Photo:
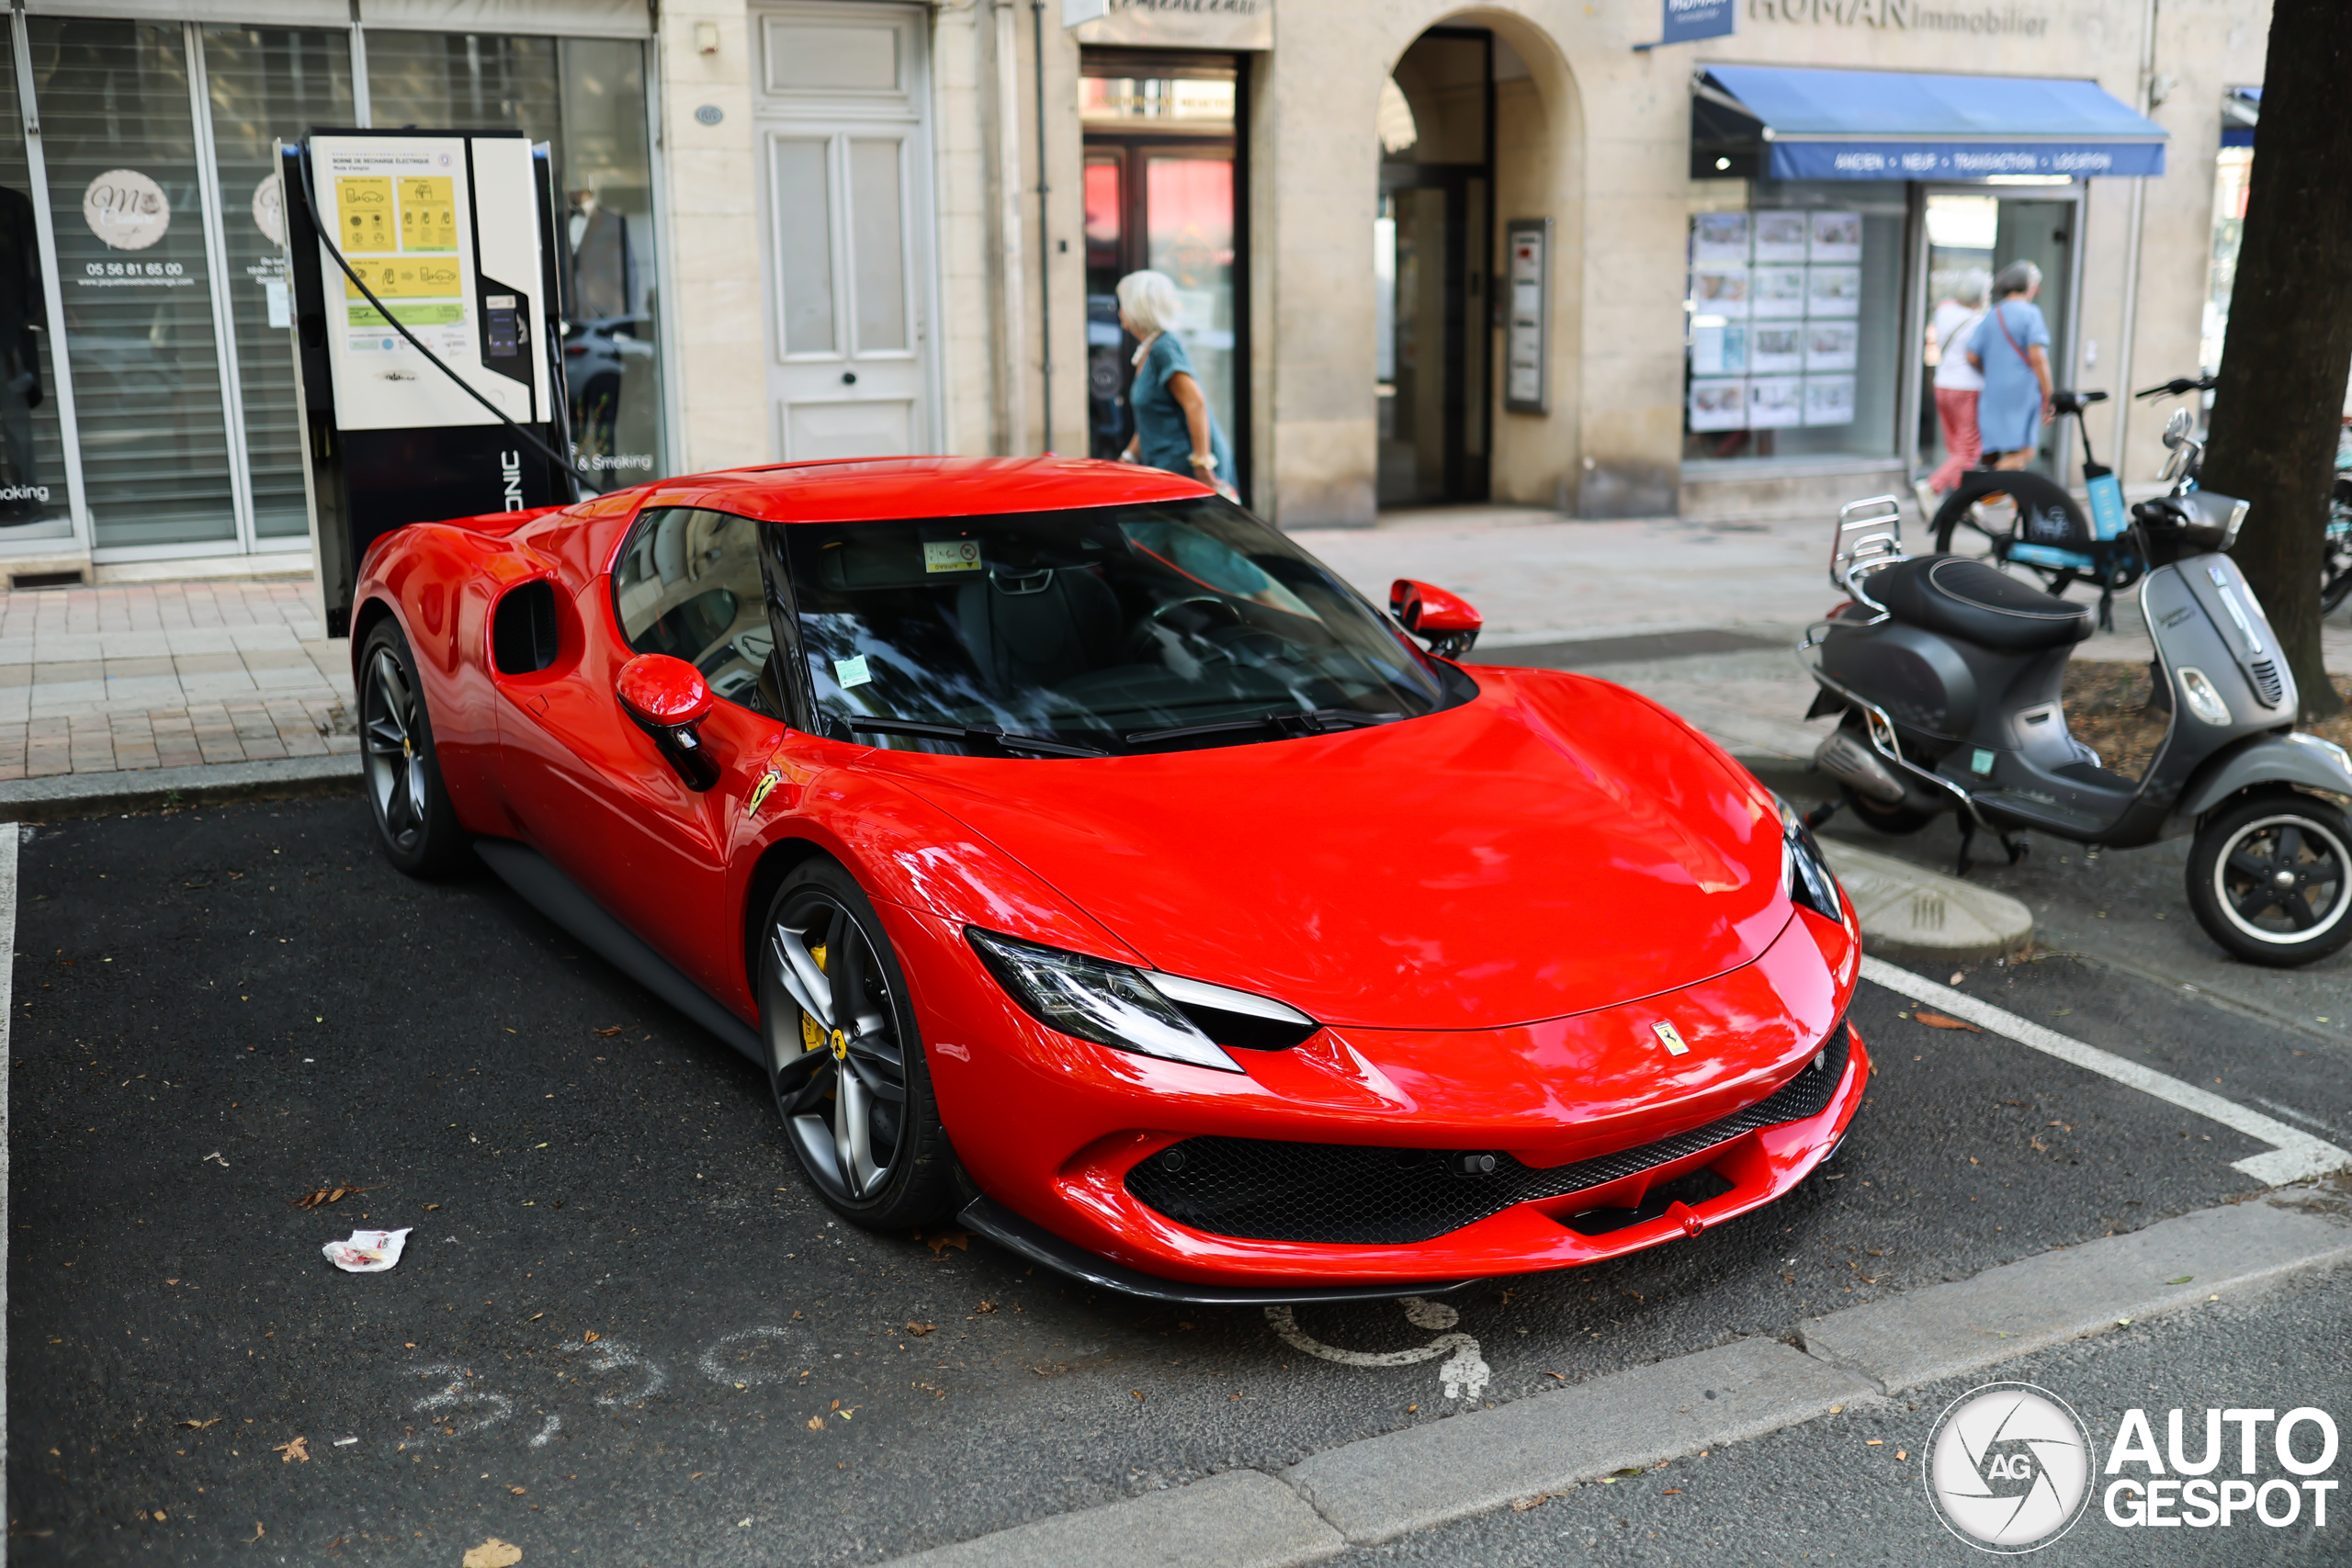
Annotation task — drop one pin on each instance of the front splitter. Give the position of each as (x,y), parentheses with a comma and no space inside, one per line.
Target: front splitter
(1038,1245)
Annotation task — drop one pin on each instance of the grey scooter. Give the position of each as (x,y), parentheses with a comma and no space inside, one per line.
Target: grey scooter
(1949,673)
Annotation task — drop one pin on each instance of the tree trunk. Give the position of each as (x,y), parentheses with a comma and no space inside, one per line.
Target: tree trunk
(2278,399)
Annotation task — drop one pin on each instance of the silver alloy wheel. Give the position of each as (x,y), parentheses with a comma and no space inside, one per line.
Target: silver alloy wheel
(2268,870)
(390,732)
(834,1049)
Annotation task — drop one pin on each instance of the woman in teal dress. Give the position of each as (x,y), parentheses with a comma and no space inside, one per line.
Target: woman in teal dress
(2012,347)
(1175,428)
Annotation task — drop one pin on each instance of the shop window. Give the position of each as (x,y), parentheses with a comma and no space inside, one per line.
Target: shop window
(127,204)
(34,502)
(265,83)
(1795,316)
(584,97)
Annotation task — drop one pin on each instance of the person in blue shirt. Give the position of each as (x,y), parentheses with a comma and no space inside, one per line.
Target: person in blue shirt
(1175,427)
(2012,347)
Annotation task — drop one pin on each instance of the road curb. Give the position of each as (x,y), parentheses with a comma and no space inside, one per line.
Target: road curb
(145,789)
(1920,916)
(1379,1488)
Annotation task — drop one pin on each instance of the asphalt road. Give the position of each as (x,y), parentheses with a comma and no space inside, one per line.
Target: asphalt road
(218,1011)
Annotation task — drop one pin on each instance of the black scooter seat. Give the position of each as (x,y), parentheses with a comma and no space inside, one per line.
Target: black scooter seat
(1975,603)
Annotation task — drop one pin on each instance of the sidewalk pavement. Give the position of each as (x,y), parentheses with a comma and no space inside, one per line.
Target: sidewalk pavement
(161,676)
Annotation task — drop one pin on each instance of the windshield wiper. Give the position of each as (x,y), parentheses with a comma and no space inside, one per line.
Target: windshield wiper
(971,735)
(1315,721)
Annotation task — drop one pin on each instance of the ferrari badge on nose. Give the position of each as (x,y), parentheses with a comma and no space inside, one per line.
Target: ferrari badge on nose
(1669,1037)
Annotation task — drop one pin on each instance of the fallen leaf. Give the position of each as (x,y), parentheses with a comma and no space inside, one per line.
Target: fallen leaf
(1138,1394)
(1900,1454)
(608,1034)
(1629,1470)
(1875,1442)
(939,1244)
(985,1306)
(258,1533)
(1671,1491)
(816,1423)
(159,1516)
(919,1329)
(198,1425)
(2182,1280)
(518,1490)
(300,1449)
(1938,1020)
(491,1553)
(590,1337)
(1562,1376)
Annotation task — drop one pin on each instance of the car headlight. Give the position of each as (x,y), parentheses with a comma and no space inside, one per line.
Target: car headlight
(1806,876)
(1137,1009)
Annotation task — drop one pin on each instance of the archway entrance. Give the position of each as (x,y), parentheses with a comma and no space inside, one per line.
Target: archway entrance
(1432,239)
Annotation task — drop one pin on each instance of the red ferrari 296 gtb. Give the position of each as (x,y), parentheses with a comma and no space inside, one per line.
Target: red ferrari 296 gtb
(1078,856)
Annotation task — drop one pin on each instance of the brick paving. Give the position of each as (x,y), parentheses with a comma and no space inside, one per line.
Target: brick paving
(169,674)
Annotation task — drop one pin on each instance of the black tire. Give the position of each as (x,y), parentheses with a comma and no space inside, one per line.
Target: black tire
(856,1100)
(414,820)
(1894,820)
(2235,865)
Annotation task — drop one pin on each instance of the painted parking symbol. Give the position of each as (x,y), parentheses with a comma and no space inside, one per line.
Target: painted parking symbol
(1464,1374)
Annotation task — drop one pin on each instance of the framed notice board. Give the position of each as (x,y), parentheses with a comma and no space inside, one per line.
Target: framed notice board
(1527,320)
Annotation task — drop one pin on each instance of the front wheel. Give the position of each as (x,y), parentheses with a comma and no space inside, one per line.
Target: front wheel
(2270,879)
(844,1060)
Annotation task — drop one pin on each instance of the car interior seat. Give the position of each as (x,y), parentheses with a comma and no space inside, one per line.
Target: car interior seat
(1038,628)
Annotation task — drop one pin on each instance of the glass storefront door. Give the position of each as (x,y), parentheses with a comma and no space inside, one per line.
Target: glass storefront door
(35,499)
(262,83)
(1163,179)
(126,202)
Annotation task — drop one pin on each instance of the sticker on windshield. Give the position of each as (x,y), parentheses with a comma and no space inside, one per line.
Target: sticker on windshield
(852,671)
(951,555)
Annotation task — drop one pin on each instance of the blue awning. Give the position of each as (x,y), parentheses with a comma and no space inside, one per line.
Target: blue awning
(2241,112)
(1898,125)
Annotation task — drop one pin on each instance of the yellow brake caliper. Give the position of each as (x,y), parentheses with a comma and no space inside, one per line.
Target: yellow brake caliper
(813,1034)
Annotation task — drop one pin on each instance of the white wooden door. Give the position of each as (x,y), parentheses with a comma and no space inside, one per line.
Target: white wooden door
(846,191)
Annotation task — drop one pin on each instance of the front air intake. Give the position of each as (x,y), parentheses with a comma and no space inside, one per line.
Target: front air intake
(2266,683)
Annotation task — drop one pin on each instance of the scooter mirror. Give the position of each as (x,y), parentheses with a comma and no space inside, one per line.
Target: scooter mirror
(2177,427)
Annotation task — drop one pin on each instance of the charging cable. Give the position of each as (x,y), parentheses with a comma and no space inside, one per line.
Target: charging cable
(302,155)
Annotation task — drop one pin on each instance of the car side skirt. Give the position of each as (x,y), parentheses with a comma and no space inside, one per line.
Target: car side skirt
(560,899)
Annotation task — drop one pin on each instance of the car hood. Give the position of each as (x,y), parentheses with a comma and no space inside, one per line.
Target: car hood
(1556,844)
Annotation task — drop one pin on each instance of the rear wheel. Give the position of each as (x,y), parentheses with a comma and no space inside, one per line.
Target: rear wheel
(2270,878)
(843,1057)
(414,820)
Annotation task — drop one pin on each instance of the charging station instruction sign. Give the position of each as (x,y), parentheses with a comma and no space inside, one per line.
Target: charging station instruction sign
(405,211)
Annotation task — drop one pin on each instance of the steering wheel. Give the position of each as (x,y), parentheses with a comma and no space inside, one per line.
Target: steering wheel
(1197,617)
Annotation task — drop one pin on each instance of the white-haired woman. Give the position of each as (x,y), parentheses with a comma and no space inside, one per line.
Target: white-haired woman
(1175,427)
(2012,347)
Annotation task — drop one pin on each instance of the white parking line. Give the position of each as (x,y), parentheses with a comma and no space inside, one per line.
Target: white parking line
(2298,1156)
(10,836)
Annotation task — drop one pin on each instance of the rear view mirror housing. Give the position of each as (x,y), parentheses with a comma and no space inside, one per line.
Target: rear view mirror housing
(2177,427)
(1445,621)
(668,699)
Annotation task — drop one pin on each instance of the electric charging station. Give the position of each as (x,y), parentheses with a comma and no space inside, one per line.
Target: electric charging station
(454,233)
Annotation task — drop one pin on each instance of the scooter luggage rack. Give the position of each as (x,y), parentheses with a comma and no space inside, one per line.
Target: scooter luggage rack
(1869,539)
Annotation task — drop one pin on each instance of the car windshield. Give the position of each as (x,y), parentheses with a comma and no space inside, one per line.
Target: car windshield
(1099,628)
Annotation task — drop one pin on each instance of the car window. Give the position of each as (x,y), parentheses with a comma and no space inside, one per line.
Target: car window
(688,584)
(1105,627)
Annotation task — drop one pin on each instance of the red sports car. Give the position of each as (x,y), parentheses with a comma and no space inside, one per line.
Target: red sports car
(1077,855)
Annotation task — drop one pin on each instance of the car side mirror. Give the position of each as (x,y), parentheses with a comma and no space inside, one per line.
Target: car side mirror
(1445,621)
(2177,427)
(668,699)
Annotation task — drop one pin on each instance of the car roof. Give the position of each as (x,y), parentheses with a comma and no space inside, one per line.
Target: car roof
(883,488)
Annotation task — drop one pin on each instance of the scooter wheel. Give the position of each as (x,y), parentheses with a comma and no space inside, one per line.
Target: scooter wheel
(1892,819)
(2270,878)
